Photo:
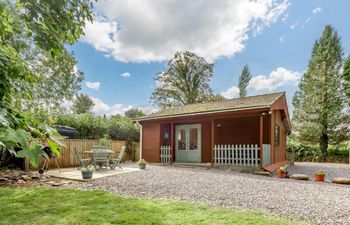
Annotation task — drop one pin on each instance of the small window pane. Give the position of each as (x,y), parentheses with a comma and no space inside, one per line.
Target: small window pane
(181,140)
(277,135)
(193,138)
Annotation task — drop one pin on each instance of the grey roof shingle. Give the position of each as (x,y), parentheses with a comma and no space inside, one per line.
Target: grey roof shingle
(251,102)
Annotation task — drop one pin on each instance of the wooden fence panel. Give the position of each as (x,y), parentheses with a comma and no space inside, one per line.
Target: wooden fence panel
(238,155)
(165,154)
(68,158)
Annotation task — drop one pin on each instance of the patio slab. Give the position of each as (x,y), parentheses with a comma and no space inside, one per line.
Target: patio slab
(75,174)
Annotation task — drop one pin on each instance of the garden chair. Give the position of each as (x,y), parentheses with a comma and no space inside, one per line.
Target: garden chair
(115,162)
(82,162)
(100,157)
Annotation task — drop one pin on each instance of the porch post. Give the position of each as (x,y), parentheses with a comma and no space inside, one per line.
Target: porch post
(272,154)
(140,141)
(212,141)
(261,138)
(172,135)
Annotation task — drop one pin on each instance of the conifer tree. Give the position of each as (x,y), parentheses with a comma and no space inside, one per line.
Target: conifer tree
(319,104)
(244,79)
(346,73)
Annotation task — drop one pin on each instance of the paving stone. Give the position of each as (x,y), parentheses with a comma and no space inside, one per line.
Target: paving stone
(341,180)
(299,176)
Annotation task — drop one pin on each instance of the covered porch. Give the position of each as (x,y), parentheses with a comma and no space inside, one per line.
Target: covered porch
(231,139)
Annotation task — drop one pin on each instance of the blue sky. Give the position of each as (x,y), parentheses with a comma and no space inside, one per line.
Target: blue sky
(274,38)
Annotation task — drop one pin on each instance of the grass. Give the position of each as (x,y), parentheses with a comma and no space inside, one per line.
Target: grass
(66,206)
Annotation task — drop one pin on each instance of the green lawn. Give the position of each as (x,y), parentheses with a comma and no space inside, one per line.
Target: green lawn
(55,206)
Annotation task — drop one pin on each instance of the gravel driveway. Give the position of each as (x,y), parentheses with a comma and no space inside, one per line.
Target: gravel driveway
(322,203)
(331,169)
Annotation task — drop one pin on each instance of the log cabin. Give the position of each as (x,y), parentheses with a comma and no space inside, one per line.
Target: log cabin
(248,132)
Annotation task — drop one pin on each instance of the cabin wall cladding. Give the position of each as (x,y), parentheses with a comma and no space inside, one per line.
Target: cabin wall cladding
(68,158)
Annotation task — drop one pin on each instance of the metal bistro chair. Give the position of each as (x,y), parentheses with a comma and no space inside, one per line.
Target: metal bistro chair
(82,162)
(115,162)
(100,157)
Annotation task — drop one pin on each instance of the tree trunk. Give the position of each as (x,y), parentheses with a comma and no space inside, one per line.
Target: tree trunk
(324,144)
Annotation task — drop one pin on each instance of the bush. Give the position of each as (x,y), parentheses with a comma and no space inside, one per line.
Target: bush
(336,153)
(105,141)
(91,126)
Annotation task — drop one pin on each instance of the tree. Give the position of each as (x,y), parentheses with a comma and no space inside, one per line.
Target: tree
(134,113)
(319,115)
(185,81)
(82,104)
(346,74)
(214,98)
(58,80)
(46,26)
(244,79)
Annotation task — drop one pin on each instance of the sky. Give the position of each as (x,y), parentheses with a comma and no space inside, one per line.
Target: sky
(130,42)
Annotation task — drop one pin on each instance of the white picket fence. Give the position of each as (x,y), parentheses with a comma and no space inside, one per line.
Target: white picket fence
(237,155)
(165,154)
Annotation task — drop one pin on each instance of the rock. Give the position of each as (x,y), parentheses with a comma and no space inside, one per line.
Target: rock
(341,180)
(262,173)
(35,176)
(66,182)
(26,177)
(299,177)
(3,179)
(10,177)
(16,174)
(56,184)
(21,182)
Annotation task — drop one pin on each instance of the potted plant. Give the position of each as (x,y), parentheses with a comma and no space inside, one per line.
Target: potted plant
(320,175)
(87,171)
(142,164)
(281,172)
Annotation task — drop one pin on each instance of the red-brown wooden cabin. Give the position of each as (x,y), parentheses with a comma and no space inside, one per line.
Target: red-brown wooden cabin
(228,132)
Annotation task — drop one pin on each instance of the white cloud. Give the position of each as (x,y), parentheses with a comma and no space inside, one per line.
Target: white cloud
(148,109)
(93,85)
(316,10)
(144,31)
(232,92)
(275,79)
(101,108)
(294,25)
(281,39)
(125,75)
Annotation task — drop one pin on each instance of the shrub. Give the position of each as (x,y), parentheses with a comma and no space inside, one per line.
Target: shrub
(281,169)
(320,173)
(303,152)
(91,126)
(105,141)
(142,161)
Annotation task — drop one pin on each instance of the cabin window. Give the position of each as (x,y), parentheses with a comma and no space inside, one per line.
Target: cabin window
(277,134)
(166,136)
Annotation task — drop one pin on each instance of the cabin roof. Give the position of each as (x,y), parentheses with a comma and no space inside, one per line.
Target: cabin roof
(236,104)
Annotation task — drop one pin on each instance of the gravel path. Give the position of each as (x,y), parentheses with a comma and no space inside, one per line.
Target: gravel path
(331,169)
(321,203)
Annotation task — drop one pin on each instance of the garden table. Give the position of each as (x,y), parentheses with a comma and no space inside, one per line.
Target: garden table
(100,156)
